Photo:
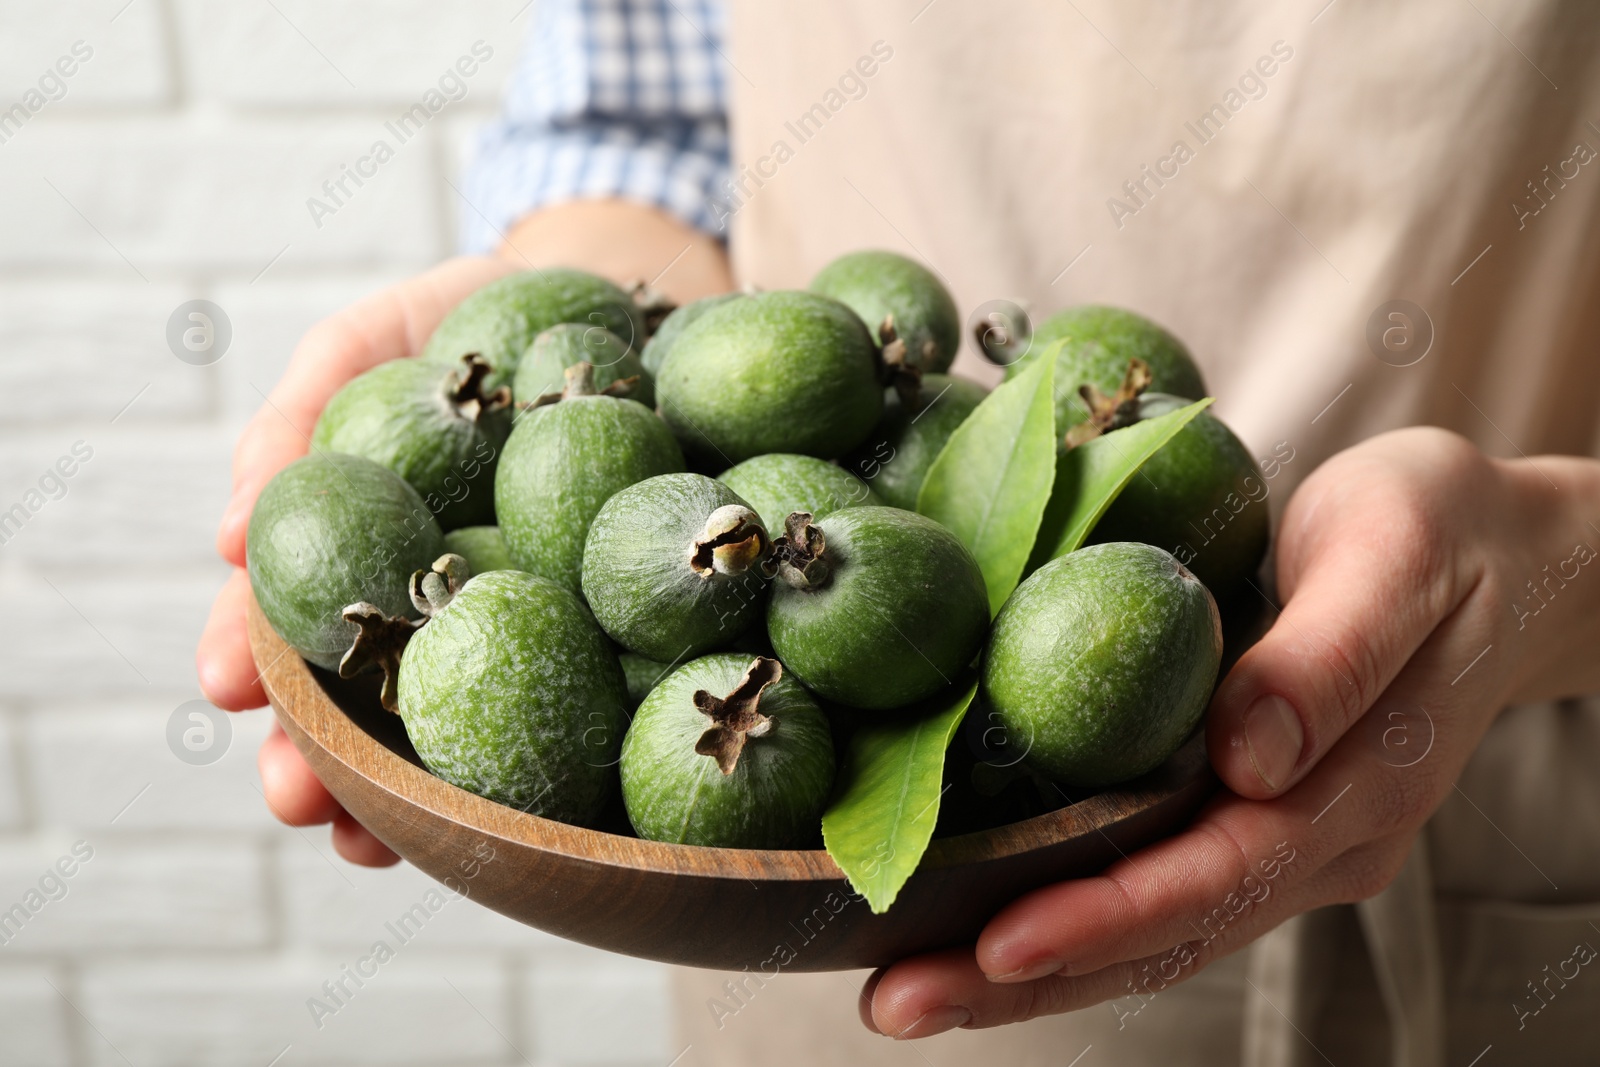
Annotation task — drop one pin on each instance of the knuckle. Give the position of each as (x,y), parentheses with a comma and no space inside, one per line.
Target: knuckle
(1365,872)
(1404,803)
(1357,675)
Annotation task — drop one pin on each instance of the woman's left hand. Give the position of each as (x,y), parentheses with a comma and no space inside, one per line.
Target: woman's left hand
(1407,624)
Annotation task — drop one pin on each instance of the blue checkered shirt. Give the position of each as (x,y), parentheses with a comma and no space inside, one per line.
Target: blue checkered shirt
(610,98)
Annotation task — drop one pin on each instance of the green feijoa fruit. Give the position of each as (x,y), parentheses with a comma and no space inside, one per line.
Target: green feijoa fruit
(773,372)
(875,607)
(1202,498)
(1101,663)
(481,546)
(500,321)
(641,674)
(1099,343)
(667,334)
(896,456)
(672,566)
(563,462)
(729,752)
(877,285)
(781,483)
(330,531)
(543,366)
(437,428)
(511,691)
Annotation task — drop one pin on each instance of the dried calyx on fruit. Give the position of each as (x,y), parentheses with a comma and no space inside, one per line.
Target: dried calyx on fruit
(672,566)
(466,390)
(1107,413)
(441,429)
(580,382)
(501,320)
(749,769)
(736,716)
(1096,344)
(381,638)
(732,542)
(901,372)
(328,531)
(653,305)
(875,283)
(542,368)
(878,607)
(1201,497)
(434,588)
(563,462)
(797,556)
(777,484)
(511,691)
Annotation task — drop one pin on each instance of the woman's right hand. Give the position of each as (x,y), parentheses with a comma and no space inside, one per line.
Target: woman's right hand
(613,238)
(389,325)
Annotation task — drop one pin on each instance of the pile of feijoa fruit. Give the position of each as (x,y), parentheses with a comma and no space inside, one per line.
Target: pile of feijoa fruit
(598,552)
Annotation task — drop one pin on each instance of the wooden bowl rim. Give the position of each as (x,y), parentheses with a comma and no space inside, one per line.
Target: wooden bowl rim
(298,695)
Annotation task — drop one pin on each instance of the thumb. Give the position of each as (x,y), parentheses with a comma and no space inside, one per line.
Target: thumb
(1368,587)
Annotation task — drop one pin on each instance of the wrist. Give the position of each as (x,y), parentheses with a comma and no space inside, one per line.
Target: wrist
(624,241)
(1550,579)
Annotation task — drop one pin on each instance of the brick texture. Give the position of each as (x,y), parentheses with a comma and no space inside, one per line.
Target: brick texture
(176,165)
(358,52)
(33,1018)
(416,1009)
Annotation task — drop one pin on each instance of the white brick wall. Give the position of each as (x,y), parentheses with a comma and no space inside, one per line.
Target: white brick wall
(129,64)
(11,811)
(33,1018)
(89,762)
(76,352)
(253,55)
(594,1010)
(176,166)
(244,1011)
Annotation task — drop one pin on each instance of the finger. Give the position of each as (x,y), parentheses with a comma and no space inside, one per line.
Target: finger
(391,324)
(292,790)
(357,844)
(1370,576)
(223,661)
(269,443)
(864,1001)
(1237,856)
(1254,860)
(942,991)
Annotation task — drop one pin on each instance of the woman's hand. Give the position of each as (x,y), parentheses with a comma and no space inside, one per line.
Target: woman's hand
(1405,628)
(622,240)
(389,325)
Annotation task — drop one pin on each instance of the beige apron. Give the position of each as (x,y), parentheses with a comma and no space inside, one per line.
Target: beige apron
(1262,179)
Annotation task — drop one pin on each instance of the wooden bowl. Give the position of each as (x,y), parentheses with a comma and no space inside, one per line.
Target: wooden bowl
(703,907)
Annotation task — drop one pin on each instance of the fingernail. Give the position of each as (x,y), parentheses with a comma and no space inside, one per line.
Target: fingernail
(936,1021)
(1273,736)
(1039,969)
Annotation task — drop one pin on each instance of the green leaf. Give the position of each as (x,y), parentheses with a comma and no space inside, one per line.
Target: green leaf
(990,484)
(883,814)
(1089,477)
